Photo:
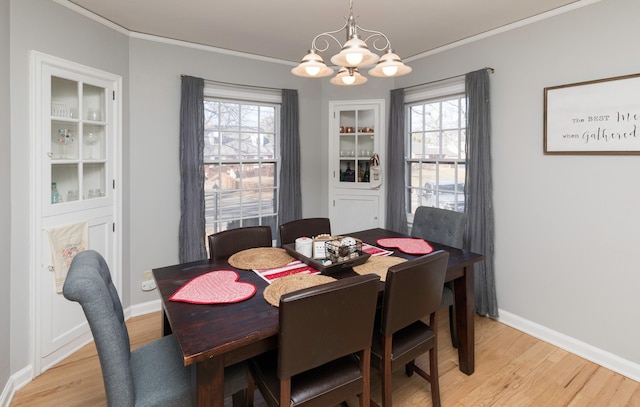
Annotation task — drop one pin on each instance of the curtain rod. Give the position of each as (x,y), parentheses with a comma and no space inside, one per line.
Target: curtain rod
(489,69)
(242,85)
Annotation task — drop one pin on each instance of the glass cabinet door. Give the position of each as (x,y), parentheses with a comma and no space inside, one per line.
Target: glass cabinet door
(356,135)
(78,141)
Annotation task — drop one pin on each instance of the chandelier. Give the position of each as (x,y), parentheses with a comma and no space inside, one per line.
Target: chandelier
(354,54)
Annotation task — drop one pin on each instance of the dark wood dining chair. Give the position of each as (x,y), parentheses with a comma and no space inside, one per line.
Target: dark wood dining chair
(224,244)
(447,227)
(309,227)
(412,292)
(324,341)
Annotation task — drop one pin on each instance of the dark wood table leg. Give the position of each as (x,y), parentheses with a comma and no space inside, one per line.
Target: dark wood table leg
(465,311)
(166,327)
(210,382)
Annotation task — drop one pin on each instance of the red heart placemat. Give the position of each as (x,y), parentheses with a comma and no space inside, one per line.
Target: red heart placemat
(216,287)
(407,245)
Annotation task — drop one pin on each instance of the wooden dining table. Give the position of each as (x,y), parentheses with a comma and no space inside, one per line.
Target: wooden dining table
(212,336)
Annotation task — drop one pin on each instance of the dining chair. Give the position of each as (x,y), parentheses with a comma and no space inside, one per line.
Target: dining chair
(309,227)
(324,342)
(152,375)
(448,228)
(224,244)
(412,292)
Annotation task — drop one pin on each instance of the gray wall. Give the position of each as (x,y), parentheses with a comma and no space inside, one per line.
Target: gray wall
(564,225)
(44,26)
(155,107)
(5,187)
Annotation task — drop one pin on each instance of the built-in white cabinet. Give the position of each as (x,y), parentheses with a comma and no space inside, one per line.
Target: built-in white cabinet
(356,145)
(76,133)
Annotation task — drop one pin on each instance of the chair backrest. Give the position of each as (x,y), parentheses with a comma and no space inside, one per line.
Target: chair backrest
(439,225)
(326,322)
(224,244)
(88,282)
(413,290)
(309,227)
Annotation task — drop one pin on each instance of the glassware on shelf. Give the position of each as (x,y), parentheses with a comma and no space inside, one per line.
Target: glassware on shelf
(64,138)
(91,139)
(55,196)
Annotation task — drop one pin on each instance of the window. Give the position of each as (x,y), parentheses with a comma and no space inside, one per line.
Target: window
(435,159)
(241,164)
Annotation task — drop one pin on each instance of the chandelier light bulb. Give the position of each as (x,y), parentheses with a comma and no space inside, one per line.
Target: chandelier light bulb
(348,79)
(390,70)
(354,58)
(312,70)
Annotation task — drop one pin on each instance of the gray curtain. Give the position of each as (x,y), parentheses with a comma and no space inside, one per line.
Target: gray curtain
(290,200)
(396,218)
(479,190)
(192,222)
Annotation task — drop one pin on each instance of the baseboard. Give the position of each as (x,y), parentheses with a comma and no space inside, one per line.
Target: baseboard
(143,309)
(15,382)
(582,349)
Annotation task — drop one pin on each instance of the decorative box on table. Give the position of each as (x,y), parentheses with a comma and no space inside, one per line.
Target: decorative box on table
(341,253)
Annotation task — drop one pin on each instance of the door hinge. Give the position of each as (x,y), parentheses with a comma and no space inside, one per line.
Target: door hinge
(114,95)
(113,226)
(114,184)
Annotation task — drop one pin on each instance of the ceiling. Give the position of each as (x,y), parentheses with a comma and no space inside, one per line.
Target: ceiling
(284,29)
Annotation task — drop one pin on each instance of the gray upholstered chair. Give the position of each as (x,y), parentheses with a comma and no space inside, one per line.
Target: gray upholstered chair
(324,346)
(412,293)
(224,244)
(309,227)
(448,228)
(152,375)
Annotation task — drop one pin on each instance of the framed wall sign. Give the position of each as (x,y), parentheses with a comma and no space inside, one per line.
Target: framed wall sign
(594,117)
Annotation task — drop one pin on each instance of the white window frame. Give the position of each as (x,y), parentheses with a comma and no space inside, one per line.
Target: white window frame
(432,92)
(253,96)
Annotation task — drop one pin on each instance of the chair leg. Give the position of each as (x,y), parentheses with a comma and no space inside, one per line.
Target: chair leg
(408,368)
(250,392)
(433,377)
(452,326)
(385,372)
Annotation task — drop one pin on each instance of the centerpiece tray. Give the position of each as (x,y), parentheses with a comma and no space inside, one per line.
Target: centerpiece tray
(318,264)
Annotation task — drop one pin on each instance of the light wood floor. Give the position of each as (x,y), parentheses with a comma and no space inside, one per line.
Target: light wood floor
(512,369)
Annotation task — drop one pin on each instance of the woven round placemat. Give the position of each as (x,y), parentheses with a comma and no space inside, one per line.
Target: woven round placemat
(378,265)
(287,284)
(260,258)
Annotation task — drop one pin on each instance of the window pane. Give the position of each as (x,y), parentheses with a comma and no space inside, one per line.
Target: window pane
(249,118)
(450,114)
(416,145)
(432,116)
(417,113)
(267,145)
(451,144)
(230,148)
(267,119)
